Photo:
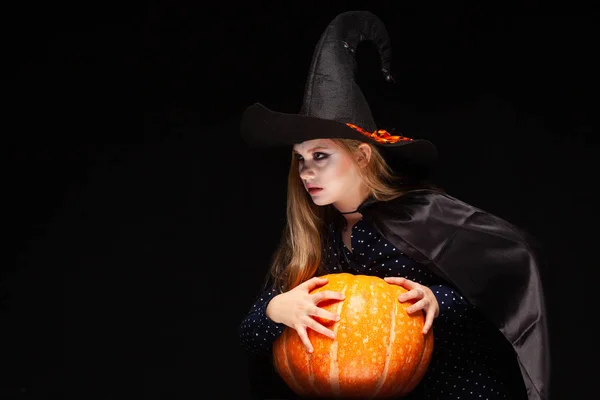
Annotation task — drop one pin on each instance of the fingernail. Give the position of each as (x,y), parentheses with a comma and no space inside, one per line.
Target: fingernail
(337,318)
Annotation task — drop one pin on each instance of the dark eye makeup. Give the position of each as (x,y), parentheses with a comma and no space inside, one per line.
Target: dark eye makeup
(317,155)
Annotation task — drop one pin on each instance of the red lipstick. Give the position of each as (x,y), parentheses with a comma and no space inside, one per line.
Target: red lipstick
(313,189)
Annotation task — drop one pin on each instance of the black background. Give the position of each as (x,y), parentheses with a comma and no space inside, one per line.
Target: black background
(139,228)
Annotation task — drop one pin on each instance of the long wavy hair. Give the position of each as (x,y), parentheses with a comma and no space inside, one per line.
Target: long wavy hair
(300,252)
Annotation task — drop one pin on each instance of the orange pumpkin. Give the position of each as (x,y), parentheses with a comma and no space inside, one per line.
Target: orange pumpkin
(379,350)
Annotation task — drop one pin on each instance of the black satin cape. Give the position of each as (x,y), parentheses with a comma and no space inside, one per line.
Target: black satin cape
(487,259)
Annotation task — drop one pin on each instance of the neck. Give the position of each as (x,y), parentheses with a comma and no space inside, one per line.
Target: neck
(351,219)
(350,209)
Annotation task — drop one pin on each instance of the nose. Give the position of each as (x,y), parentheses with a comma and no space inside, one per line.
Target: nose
(306,172)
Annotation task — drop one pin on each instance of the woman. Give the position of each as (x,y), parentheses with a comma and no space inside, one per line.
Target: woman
(349,210)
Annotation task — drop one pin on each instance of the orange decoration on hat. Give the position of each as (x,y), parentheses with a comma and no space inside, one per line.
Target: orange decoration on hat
(381,135)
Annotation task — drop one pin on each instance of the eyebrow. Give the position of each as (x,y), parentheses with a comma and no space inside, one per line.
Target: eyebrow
(313,149)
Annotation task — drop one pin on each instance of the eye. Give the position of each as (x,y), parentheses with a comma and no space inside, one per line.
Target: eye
(320,156)
(298,157)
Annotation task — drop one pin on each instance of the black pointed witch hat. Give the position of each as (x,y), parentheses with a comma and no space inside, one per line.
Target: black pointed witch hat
(333,105)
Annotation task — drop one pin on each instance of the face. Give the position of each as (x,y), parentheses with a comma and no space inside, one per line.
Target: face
(328,173)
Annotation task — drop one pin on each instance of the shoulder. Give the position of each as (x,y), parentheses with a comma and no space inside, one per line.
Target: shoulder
(437,209)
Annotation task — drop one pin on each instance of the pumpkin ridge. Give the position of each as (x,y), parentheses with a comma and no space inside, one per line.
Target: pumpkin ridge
(415,378)
(389,349)
(406,366)
(310,373)
(286,362)
(334,369)
(356,282)
(412,376)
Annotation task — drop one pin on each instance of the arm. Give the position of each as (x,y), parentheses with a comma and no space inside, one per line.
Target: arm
(450,302)
(257,331)
(434,301)
(273,311)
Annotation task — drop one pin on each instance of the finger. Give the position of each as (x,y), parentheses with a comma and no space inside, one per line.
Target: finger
(315,326)
(314,282)
(419,305)
(394,280)
(328,295)
(406,283)
(304,338)
(429,316)
(322,313)
(416,293)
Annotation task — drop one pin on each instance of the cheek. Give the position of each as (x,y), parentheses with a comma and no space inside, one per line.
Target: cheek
(340,176)
(344,170)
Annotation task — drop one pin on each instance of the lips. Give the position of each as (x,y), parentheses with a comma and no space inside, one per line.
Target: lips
(313,190)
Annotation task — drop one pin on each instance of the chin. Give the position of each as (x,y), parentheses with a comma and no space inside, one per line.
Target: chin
(322,202)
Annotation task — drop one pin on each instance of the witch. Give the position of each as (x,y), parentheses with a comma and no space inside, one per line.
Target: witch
(359,201)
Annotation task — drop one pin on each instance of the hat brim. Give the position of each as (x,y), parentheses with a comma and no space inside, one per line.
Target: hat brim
(262,127)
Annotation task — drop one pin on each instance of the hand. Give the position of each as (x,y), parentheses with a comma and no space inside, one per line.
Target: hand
(296,308)
(426,300)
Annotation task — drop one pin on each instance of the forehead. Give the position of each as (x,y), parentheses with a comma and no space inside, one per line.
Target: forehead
(312,144)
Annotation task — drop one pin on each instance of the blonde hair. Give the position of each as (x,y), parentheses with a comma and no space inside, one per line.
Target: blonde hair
(299,254)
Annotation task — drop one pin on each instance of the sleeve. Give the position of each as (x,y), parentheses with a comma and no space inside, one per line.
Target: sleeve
(257,331)
(451,303)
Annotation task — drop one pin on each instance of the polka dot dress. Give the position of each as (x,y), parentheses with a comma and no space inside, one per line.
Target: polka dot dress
(465,359)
